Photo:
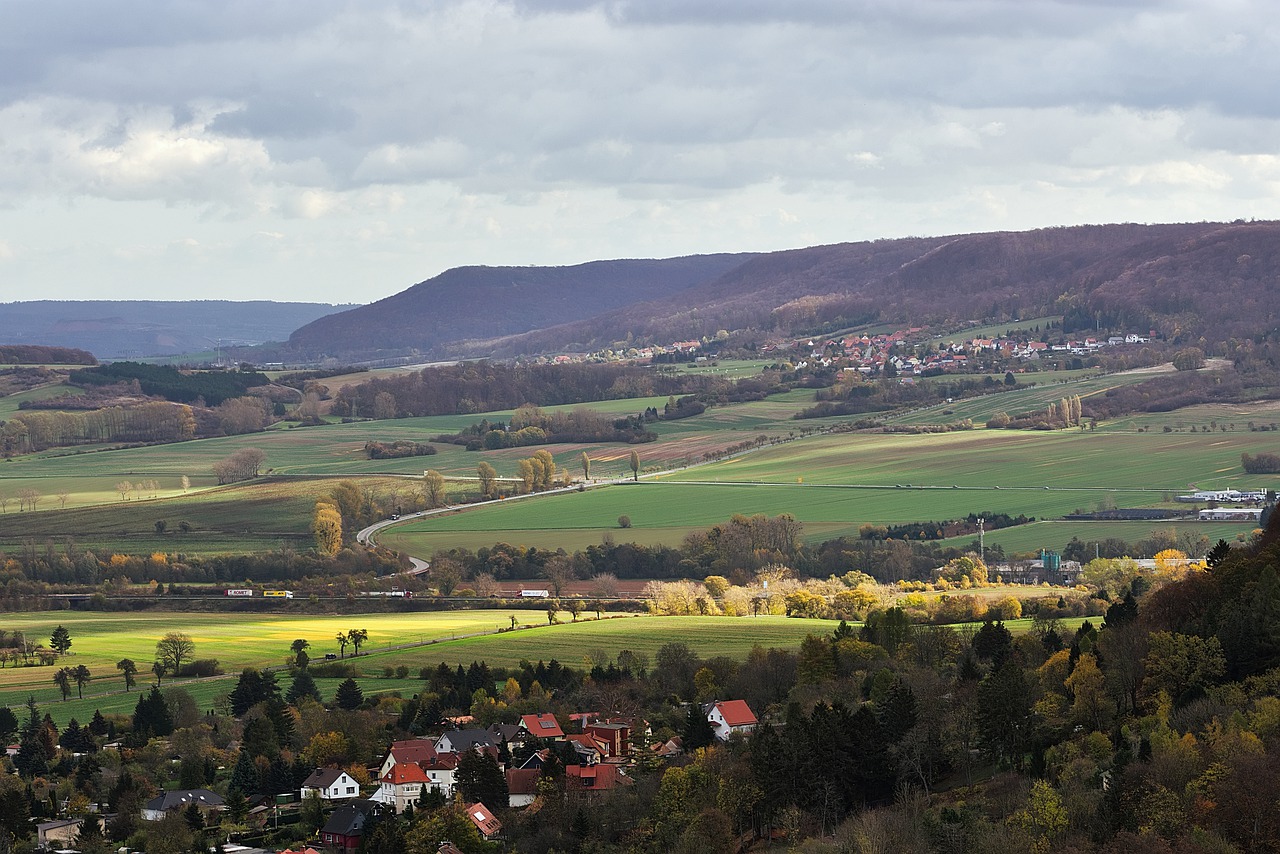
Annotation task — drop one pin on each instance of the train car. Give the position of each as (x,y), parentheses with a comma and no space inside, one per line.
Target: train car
(278,594)
(238,592)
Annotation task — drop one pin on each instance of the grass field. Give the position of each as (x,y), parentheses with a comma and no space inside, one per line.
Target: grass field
(238,641)
(835,483)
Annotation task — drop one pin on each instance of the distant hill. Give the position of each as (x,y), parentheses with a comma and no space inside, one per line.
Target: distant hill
(131,329)
(489,302)
(1183,280)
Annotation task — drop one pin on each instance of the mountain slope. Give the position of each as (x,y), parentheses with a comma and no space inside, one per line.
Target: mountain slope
(483,302)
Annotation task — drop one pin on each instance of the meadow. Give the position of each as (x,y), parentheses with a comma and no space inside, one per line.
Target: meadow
(865,478)
(835,483)
(99,640)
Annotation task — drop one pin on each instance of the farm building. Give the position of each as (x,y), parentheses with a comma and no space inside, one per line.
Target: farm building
(1231,514)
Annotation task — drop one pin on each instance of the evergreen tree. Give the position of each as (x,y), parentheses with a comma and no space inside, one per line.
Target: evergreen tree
(151,717)
(349,696)
(32,758)
(244,777)
(479,778)
(303,686)
(697,729)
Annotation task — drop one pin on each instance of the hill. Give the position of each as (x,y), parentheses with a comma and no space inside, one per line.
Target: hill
(1165,277)
(114,329)
(487,302)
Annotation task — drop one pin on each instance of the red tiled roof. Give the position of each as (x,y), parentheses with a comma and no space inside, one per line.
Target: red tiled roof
(542,726)
(594,777)
(523,781)
(413,750)
(482,817)
(736,712)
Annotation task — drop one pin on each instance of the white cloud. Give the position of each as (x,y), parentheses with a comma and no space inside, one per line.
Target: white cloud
(309,145)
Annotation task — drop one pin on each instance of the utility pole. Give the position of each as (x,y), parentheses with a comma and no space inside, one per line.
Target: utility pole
(982,541)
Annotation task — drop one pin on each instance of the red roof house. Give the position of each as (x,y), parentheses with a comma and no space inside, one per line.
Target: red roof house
(730,716)
(542,726)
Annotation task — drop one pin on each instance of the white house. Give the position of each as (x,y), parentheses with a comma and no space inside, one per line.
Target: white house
(730,716)
(402,785)
(331,784)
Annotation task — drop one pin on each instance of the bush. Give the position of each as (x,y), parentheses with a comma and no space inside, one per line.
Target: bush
(333,670)
(624,521)
(201,668)
(1260,463)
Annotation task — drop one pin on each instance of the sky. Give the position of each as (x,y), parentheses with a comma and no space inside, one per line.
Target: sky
(339,152)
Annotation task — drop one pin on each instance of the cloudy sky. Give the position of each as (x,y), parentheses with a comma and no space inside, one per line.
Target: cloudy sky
(334,151)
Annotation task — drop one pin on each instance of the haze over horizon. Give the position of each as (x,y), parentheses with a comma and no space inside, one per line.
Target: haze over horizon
(339,153)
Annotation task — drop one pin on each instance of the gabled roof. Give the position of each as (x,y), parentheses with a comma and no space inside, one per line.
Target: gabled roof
(482,817)
(407,772)
(736,712)
(413,750)
(349,819)
(544,725)
(595,777)
(464,739)
(183,797)
(323,778)
(523,781)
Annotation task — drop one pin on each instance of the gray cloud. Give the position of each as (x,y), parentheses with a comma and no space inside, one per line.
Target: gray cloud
(464,131)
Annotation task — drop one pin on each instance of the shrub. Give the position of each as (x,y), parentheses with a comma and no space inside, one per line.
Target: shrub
(624,521)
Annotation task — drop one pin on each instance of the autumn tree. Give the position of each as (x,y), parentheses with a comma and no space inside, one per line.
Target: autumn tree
(633,461)
(326,525)
(244,464)
(586,466)
(433,491)
(488,477)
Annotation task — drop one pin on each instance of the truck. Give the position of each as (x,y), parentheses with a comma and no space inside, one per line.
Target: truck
(238,592)
(278,594)
(535,594)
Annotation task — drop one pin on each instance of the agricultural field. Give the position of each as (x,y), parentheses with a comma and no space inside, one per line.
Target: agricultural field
(263,516)
(99,640)
(995,330)
(1051,386)
(835,483)
(1053,534)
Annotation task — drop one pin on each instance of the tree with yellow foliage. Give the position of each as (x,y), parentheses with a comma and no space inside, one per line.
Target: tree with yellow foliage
(327,528)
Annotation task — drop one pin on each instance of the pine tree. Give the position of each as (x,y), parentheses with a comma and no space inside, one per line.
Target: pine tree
(244,777)
(303,686)
(349,696)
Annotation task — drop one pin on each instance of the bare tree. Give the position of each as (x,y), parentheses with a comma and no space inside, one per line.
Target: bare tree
(62,499)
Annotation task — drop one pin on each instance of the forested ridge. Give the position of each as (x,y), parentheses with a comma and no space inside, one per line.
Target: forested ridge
(1185,281)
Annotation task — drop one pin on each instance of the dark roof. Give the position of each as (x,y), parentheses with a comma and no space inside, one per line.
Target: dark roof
(183,797)
(349,819)
(322,778)
(465,739)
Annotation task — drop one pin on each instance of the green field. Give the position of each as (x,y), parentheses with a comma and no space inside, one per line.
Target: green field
(99,640)
(835,483)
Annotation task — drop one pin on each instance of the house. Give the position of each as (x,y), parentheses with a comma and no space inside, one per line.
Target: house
(730,716)
(588,748)
(331,784)
(158,807)
(594,778)
(673,746)
(458,740)
(413,750)
(346,824)
(522,786)
(58,834)
(615,736)
(543,726)
(482,817)
(402,785)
